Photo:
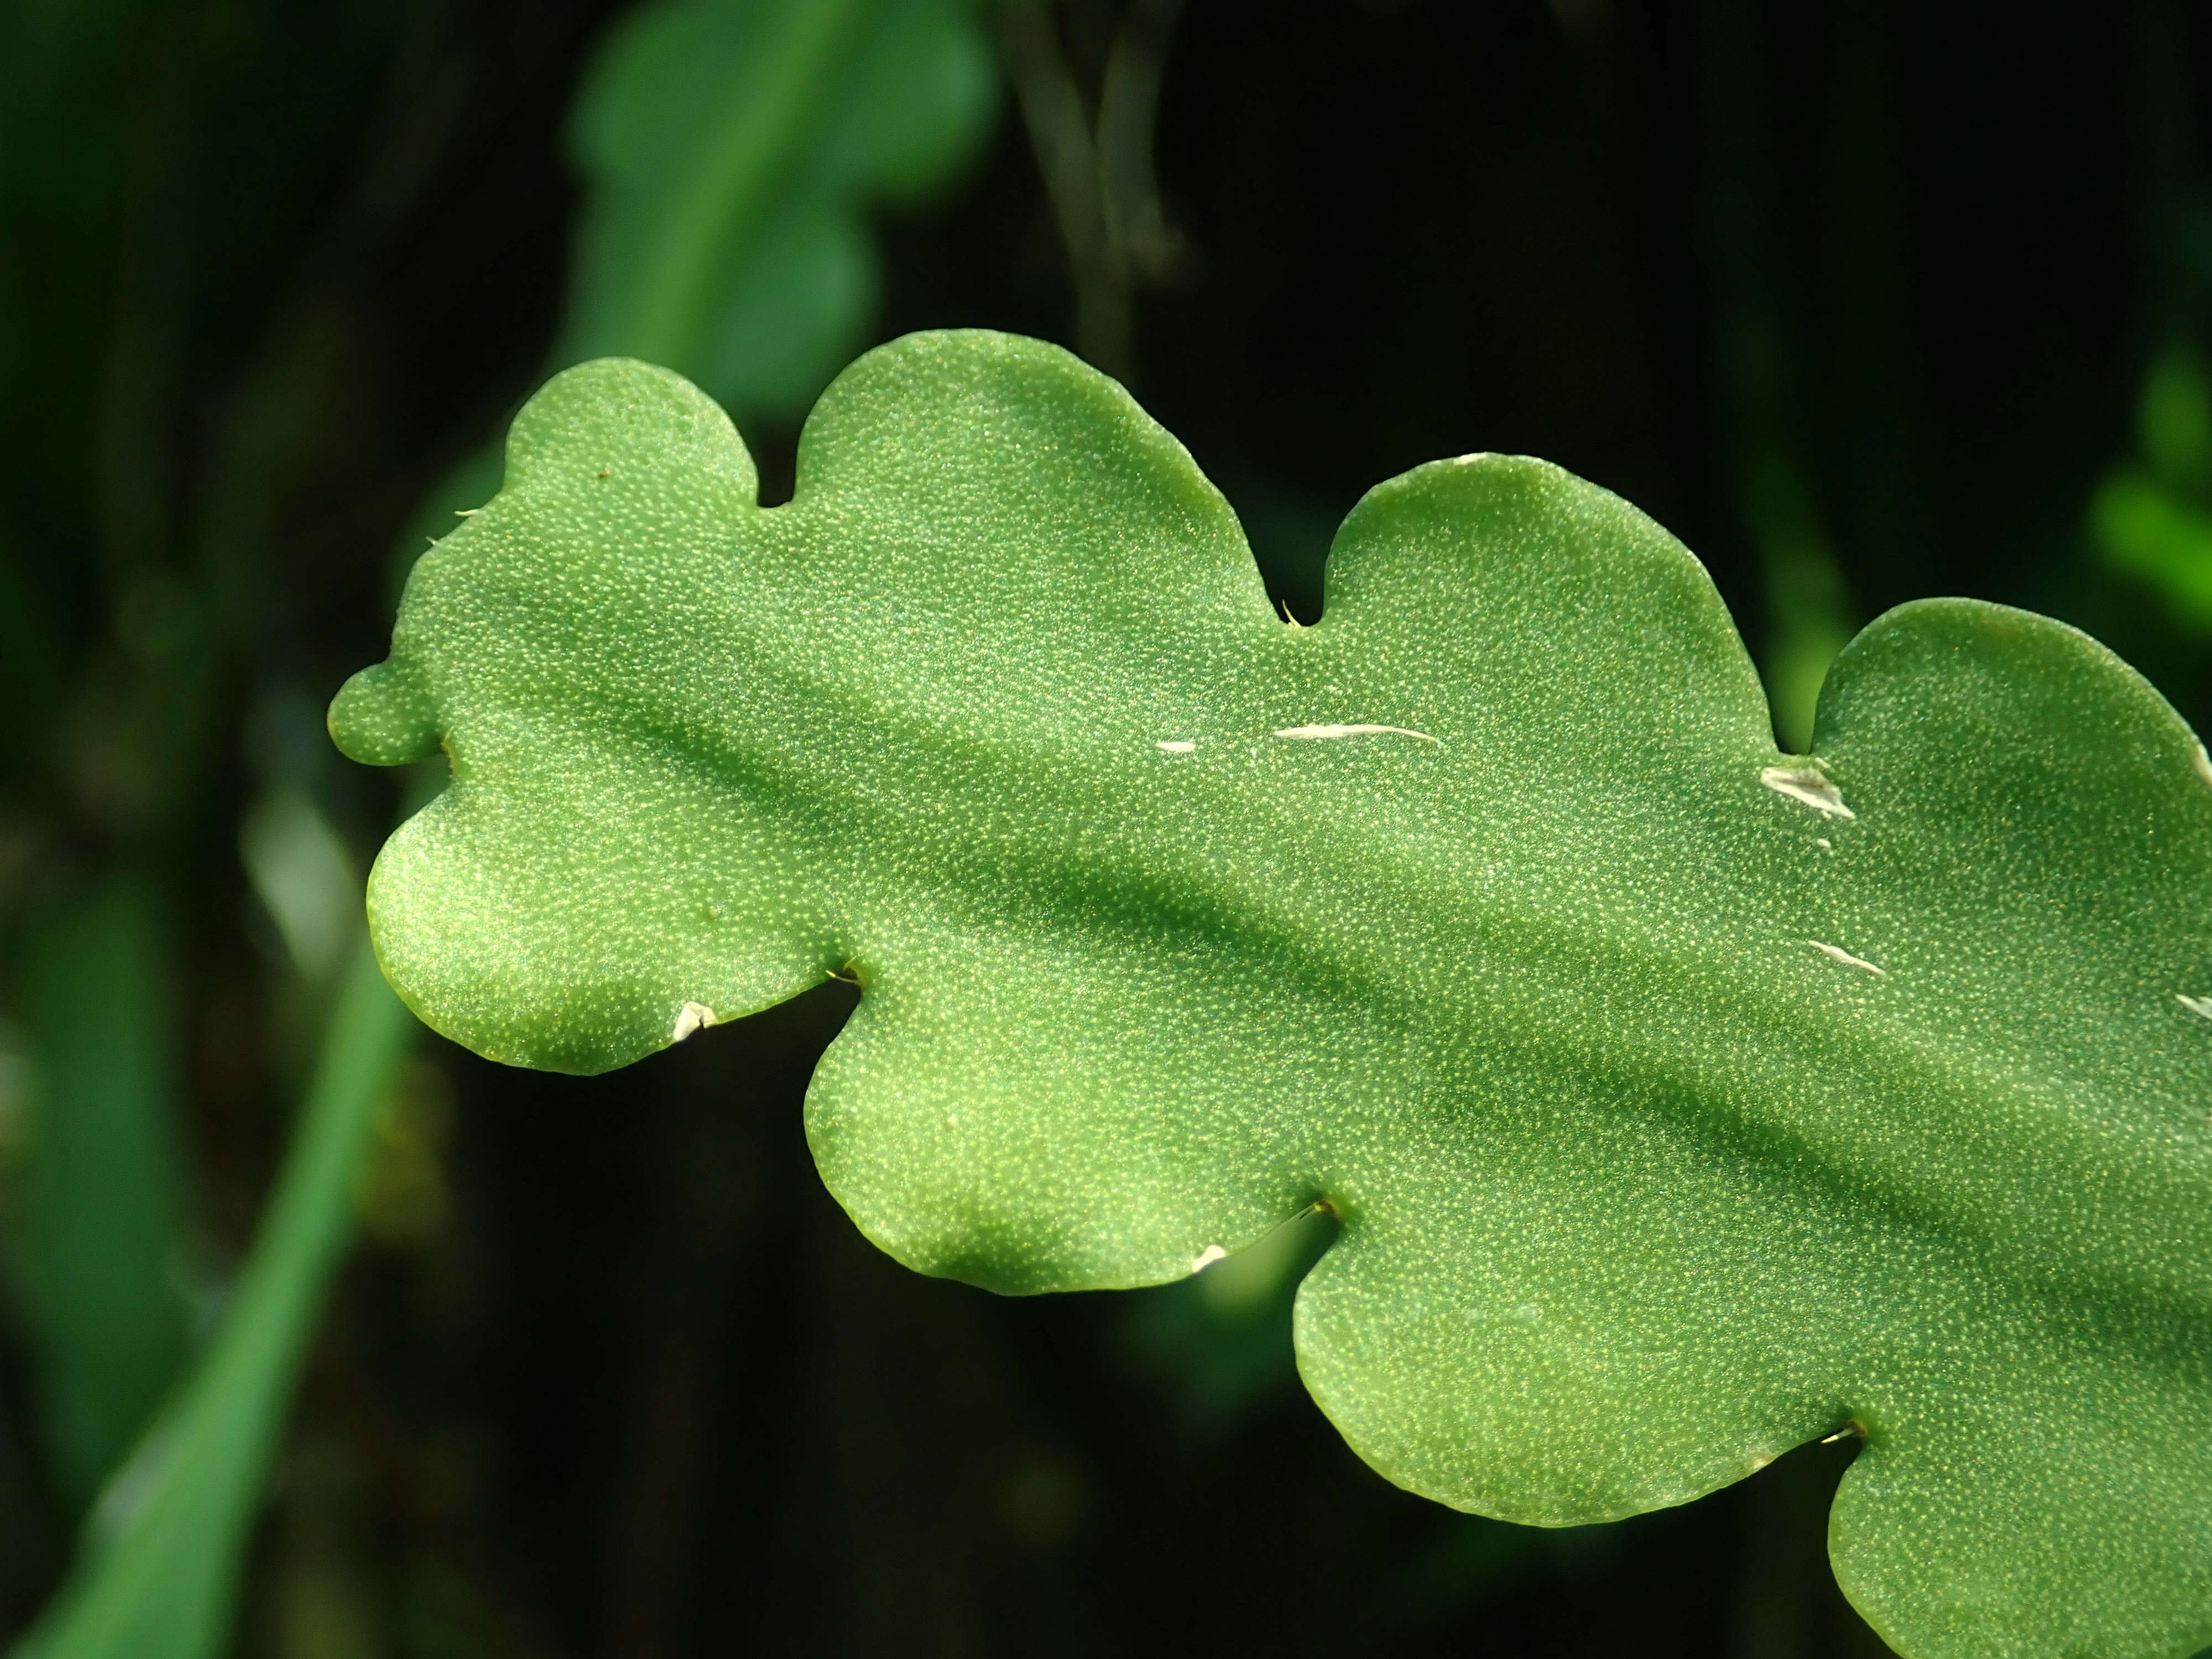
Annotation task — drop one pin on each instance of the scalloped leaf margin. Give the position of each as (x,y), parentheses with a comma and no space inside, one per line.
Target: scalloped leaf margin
(1682,1101)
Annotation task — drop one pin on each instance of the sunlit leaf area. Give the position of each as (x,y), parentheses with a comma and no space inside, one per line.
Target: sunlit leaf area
(1624,1200)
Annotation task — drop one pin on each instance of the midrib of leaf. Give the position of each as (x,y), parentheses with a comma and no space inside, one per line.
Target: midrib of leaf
(1540,1006)
(731,182)
(1719,1007)
(1724,1013)
(1706,1006)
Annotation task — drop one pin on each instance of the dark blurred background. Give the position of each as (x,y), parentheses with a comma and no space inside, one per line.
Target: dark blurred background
(1865,301)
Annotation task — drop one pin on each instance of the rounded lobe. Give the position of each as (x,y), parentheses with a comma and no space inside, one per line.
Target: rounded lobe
(380,718)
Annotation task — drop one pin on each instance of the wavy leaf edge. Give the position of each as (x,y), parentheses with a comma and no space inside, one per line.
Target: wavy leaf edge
(1531,1375)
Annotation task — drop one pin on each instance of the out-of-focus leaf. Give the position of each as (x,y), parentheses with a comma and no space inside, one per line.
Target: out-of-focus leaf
(100,1243)
(2155,531)
(732,149)
(304,879)
(1223,1336)
(1807,609)
(1683,1100)
(156,1572)
(2174,421)
(2153,517)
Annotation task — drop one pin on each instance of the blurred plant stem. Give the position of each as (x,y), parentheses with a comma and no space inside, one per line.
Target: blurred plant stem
(732,152)
(99,1234)
(1808,610)
(112,674)
(157,1570)
(1098,169)
(2152,517)
(718,193)
(730,148)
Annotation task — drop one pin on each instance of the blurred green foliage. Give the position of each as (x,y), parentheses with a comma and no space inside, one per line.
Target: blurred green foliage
(2153,517)
(268,272)
(158,1577)
(1221,1339)
(734,148)
(731,147)
(732,151)
(98,1235)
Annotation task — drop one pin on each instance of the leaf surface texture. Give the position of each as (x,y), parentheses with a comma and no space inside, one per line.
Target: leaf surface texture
(1682,1101)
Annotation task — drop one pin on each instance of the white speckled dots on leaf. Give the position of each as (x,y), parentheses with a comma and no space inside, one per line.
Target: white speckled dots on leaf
(1682,1102)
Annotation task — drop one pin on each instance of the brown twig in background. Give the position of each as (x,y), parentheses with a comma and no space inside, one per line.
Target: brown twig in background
(1129,110)
(1098,170)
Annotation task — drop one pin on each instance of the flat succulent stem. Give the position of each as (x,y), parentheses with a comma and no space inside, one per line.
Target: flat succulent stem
(1682,1101)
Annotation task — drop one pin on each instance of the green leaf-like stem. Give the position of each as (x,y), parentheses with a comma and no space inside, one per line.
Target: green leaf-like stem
(100,1243)
(156,1575)
(1682,1101)
(733,149)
